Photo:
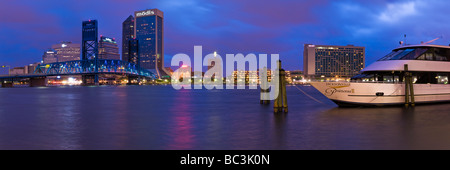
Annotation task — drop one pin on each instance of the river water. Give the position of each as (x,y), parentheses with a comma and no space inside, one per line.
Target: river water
(159,117)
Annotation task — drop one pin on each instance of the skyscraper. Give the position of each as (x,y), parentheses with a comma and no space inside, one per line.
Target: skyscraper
(127,35)
(149,31)
(107,48)
(332,62)
(50,56)
(133,52)
(67,51)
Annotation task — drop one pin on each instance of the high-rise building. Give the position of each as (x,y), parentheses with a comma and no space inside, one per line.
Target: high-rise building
(67,51)
(107,48)
(329,62)
(149,31)
(127,35)
(50,56)
(133,52)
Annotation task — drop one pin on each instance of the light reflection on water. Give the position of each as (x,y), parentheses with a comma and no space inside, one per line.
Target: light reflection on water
(159,117)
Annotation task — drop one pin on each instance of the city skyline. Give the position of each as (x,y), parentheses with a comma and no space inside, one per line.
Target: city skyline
(269,27)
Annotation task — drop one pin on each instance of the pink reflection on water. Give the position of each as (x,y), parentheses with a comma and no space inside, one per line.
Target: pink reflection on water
(181,126)
(120,119)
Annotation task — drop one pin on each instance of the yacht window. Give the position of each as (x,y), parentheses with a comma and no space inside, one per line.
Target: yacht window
(388,78)
(441,54)
(426,56)
(435,54)
(413,55)
(402,54)
(390,55)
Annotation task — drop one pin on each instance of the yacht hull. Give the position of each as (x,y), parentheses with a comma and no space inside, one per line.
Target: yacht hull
(380,94)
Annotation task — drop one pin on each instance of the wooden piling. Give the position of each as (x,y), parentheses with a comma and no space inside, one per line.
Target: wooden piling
(264,98)
(411,90)
(409,87)
(280,103)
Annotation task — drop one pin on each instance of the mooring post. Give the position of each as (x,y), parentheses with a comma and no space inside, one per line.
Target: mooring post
(280,102)
(277,102)
(283,90)
(264,87)
(411,89)
(406,85)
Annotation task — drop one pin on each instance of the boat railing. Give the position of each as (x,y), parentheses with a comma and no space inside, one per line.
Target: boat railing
(382,82)
(360,81)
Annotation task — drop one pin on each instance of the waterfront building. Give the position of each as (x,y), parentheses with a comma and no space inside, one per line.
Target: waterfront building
(50,56)
(149,30)
(253,76)
(127,35)
(330,62)
(17,71)
(213,63)
(296,76)
(169,70)
(107,48)
(28,69)
(67,51)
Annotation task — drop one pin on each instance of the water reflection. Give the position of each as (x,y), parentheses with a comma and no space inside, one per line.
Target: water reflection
(279,121)
(181,125)
(120,119)
(421,127)
(159,117)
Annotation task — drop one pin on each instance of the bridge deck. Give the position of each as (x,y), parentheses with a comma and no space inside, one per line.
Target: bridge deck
(85,67)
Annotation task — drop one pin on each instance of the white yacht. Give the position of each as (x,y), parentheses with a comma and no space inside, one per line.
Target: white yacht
(383,83)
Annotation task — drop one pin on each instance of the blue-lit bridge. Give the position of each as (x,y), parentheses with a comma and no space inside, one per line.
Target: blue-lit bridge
(82,67)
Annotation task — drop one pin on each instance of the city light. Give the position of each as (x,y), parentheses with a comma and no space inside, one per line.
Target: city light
(71,81)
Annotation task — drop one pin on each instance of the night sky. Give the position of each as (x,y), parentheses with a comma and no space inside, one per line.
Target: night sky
(28,28)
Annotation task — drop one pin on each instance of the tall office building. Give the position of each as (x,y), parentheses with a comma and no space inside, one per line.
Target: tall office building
(127,35)
(50,56)
(67,51)
(149,32)
(133,52)
(332,62)
(107,48)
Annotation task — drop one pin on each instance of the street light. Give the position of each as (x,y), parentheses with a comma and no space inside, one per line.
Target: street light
(9,67)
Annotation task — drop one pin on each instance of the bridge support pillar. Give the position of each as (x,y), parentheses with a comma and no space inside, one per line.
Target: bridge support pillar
(7,84)
(38,82)
(90,80)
